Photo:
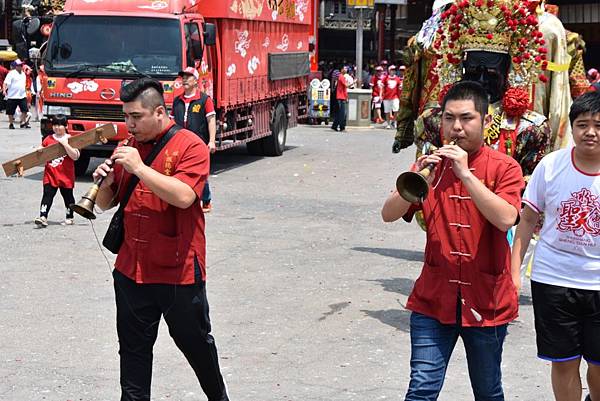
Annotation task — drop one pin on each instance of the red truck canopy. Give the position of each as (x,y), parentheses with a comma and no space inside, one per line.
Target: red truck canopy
(289,11)
(138,6)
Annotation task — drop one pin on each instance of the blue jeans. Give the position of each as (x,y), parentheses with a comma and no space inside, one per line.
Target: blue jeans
(206,193)
(432,344)
(339,119)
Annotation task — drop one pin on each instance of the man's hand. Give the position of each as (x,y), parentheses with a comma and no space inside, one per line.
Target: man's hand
(460,159)
(426,160)
(129,158)
(104,170)
(212,147)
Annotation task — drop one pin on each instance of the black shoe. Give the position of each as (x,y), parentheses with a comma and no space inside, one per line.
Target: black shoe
(25,125)
(11,126)
(335,129)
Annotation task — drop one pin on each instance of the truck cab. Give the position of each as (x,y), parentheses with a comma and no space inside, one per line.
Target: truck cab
(95,48)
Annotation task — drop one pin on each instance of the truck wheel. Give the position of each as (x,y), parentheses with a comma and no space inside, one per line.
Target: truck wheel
(81,165)
(274,145)
(255,147)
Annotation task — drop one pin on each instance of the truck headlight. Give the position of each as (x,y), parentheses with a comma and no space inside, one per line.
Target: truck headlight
(53,110)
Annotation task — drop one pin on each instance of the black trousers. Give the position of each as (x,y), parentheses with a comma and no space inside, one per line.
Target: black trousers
(48,198)
(185,309)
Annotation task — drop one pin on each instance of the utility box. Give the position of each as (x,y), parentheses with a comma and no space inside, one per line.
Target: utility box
(359,108)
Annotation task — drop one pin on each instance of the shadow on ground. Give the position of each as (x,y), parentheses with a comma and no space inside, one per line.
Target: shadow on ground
(403,254)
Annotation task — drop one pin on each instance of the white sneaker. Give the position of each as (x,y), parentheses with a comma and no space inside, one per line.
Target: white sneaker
(41,222)
(67,222)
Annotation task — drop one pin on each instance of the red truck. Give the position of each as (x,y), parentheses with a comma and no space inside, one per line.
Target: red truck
(252,57)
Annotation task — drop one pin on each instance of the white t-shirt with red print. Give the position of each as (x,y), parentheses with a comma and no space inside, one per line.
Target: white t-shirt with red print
(568,252)
(392,86)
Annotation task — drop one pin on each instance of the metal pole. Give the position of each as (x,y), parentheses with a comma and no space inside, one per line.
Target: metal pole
(359,48)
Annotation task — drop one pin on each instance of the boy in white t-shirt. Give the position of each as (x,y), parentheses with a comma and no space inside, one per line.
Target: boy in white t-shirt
(565,280)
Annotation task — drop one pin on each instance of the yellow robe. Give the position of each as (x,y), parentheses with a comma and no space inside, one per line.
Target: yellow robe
(553,98)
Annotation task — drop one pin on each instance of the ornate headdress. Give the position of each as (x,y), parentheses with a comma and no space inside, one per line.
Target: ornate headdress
(499,26)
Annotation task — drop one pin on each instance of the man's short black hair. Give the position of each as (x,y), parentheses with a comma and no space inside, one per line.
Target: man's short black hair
(468,90)
(148,90)
(59,119)
(587,103)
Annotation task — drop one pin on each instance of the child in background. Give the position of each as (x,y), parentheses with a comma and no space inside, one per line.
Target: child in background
(58,173)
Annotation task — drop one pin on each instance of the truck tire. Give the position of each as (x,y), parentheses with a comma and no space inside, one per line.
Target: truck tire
(255,148)
(81,165)
(274,144)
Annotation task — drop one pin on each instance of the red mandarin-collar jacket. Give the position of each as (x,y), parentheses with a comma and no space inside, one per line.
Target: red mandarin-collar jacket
(161,240)
(467,259)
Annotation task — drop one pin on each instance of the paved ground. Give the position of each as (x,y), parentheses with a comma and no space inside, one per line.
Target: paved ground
(306,285)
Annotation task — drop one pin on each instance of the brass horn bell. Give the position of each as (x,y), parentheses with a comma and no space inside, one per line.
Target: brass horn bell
(412,186)
(85,207)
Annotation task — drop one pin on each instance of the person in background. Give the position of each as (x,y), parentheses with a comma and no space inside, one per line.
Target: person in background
(15,92)
(195,111)
(343,83)
(593,76)
(392,87)
(376,86)
(3,73)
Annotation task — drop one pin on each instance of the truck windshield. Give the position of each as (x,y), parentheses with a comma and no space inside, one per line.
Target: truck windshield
(107,45)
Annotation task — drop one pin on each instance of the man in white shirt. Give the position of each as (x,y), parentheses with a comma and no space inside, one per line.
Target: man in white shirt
(14,89)
(565,281)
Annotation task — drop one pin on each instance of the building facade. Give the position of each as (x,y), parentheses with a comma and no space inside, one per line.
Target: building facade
(387,28)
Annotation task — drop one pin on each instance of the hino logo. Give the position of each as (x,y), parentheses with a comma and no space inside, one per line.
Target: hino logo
(62,95)
(108,93)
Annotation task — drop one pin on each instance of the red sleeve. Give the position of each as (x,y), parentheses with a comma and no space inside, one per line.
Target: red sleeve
(46,141)
(209,107)
(193,166)
(510,184)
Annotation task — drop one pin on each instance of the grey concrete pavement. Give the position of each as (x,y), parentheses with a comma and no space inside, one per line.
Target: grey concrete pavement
(305,282)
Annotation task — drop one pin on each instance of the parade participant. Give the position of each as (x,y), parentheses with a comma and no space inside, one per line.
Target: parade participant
(344,81)
(195,111)
(376,86)
(15,93)
(401,71)
(506,54)
(59,173)
(420,86)
(160,268)
(465,288)
(565,281)
(392,86)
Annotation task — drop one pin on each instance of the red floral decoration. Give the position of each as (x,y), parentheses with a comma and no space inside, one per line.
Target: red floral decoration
(515,102)
(443,93)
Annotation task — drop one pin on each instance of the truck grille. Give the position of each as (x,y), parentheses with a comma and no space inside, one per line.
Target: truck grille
(97,112)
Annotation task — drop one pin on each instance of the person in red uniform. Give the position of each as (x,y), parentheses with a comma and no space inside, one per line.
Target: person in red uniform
(160,268)
(376,85)
(465,288)
(59,173)
(392,87)
(343,83)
